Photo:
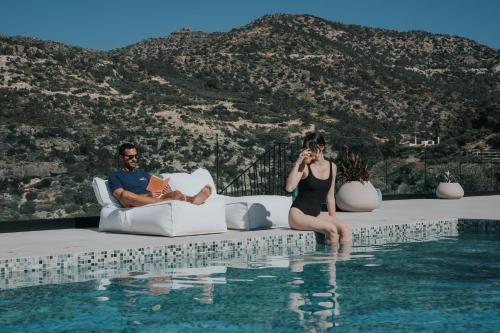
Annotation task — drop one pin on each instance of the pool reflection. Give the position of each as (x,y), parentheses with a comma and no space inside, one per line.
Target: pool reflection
(304,284)
(316,309)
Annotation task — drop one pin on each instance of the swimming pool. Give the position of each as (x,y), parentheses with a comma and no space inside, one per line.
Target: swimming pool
(446,285)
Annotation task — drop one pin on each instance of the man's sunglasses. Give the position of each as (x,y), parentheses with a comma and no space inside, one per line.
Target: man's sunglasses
(130,157)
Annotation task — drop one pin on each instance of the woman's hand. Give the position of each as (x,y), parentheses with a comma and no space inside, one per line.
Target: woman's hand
(305,153)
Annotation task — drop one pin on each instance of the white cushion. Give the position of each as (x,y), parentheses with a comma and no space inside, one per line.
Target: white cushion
(190,183)
(103,193)
(166,218)
(257,212)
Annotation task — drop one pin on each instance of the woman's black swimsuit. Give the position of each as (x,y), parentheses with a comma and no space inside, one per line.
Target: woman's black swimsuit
(312,193)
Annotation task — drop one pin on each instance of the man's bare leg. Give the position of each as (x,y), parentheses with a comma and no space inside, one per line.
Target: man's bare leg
(201,197)
(198,199)
(173,195)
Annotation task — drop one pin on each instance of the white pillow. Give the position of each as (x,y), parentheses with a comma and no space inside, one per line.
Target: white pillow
(190,183)
(103,193)
(257,212)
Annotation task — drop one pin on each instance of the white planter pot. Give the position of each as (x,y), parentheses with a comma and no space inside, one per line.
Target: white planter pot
(357,197)
(449,191)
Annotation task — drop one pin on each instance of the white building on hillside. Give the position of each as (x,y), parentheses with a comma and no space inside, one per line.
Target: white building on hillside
(423,143)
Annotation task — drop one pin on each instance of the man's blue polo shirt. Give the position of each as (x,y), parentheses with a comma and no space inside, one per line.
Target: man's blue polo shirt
(134,181)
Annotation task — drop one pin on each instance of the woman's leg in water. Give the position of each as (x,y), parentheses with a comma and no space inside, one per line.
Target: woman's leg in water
(344,230)
(300,221)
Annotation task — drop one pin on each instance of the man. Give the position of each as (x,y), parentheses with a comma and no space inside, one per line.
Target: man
(128,184)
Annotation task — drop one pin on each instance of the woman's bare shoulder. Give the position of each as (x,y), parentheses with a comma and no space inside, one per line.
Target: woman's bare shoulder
(334,167)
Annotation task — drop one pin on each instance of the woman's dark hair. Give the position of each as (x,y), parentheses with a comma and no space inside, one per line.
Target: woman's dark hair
(313,140)
(125,146)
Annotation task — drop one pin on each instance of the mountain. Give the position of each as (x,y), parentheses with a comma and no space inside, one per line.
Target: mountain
(65,109)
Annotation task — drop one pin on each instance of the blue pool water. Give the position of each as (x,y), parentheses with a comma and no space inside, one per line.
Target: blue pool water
(449,285)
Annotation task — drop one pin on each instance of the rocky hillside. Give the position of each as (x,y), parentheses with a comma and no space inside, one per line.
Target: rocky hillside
(64,109)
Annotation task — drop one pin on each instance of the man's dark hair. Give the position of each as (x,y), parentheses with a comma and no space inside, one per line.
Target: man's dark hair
(124,146)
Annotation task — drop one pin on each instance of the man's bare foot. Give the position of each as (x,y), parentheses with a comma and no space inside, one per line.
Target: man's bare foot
(209,188)
(202,196)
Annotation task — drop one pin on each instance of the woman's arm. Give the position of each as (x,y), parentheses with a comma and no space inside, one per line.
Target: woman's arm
(330,197)
(297,172)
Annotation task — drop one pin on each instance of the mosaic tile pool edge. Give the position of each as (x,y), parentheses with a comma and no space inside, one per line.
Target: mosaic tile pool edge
(175,252)
(195,254)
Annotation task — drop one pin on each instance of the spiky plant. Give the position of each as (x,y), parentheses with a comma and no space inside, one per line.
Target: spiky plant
(354,168)
(447,177)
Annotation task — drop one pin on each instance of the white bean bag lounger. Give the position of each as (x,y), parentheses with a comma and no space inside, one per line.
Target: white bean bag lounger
(167,218)
(242,213)
(257,212)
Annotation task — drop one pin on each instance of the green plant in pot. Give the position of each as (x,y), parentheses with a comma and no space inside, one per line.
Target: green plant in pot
(357,194)
(354,168)
(448,187)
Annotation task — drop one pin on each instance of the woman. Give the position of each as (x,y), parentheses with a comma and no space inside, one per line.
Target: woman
(316,184)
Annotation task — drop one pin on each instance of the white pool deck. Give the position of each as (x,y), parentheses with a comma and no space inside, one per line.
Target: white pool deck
(72,241)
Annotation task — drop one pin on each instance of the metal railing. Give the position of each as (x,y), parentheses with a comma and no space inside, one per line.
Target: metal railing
(411,171)
(267,175)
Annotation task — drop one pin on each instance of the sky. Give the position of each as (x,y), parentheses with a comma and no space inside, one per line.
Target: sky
(108,24)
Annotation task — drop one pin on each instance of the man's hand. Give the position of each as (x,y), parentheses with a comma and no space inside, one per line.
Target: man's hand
(161,194)
(166,188)
(157,194)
